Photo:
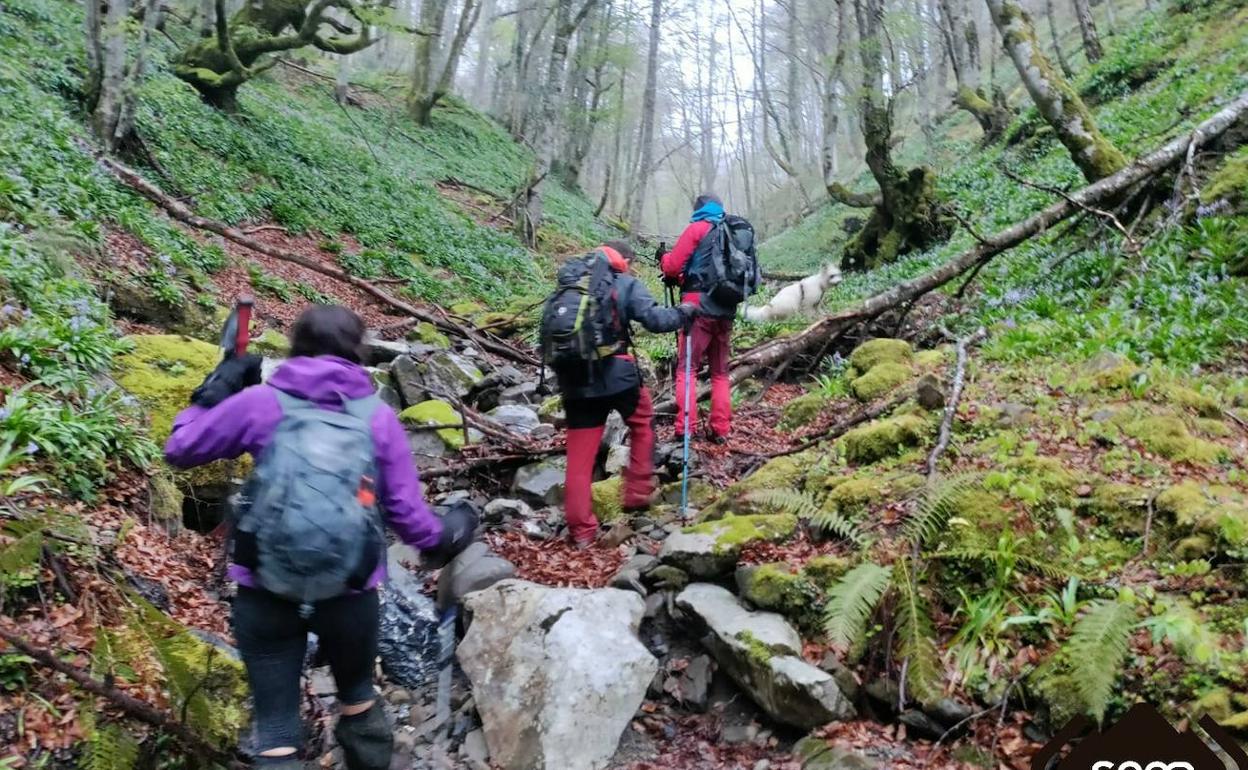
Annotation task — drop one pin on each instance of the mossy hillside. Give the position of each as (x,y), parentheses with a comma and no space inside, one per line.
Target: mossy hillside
(732,532)
(859,494)
(1213,509)
(1168,436)
(296,158)
(883,438)
(437,412)
(786,472)
(1121,507)
(1230,182)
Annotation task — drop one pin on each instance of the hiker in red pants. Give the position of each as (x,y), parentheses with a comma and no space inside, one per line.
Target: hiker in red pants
(604,378)
(686,266)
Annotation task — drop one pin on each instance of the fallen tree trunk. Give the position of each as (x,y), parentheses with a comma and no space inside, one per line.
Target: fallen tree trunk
(784,348)
(181,212)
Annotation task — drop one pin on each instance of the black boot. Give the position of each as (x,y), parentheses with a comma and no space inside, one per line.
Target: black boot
(366,739)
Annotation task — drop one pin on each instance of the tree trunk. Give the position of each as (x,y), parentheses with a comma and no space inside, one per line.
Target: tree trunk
(1087,28)
(207,16)
(342,80)
(1057,42)
(485,43)
(962,39)
(112,72)
(793,100)
(909,215)
(648,103)
(123,131)
(515,102)
(95,56)
(429,32)
(1055,98)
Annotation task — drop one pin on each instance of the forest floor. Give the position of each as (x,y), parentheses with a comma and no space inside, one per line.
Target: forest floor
(1097,469)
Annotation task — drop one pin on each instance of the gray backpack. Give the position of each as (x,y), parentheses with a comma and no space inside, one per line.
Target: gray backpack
(312,517)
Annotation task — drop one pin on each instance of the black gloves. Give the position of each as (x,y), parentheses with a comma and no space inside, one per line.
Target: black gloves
(689,312)
(669,281)
(459,524)
(230,376)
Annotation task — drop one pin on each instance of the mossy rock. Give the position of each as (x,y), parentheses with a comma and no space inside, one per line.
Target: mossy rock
(551,409)
(883,438)
(271,344)
(778,588)
(466,309)
(428,334)
(607,499)
(1122,507)
(880,379)
(859,494)
(777,473)
(1211,509)
(1106,371)
(166,498)
(878,351)
(437,412)
(801,410)
(932,359)
(824,571)
(977,518)
(1208,426)
(1202,404)
(1168,436)
(731,532)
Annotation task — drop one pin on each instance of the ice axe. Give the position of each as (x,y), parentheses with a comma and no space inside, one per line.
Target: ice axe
(235,336)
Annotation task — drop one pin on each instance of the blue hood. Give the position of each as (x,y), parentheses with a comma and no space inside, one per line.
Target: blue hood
(710,212)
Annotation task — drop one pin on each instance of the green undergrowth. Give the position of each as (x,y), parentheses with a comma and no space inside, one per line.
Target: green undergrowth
(293,156)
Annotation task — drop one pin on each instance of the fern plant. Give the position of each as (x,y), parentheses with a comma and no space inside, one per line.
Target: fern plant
(918,638)
(852,601)
(1096,651)
(804,506)
(107,747)
(937,505)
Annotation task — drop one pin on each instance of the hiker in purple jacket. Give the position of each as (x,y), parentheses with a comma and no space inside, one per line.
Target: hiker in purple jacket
(232,413)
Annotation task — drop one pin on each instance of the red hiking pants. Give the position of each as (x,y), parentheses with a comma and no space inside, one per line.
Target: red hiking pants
(586,419)
(712,340)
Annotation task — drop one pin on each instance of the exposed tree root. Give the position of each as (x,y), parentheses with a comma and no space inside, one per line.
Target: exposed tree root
(774,351)
(183,213)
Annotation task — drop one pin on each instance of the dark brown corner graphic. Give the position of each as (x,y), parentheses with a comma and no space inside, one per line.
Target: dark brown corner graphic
(1142,738)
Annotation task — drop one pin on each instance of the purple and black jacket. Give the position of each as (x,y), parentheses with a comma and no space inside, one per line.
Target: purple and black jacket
(246,421)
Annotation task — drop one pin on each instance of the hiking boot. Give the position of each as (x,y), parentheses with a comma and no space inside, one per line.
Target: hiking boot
(715,438)
(366,739)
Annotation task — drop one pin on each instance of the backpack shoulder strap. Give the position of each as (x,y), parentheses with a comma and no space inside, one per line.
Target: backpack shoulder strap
(289,403)
(362,408)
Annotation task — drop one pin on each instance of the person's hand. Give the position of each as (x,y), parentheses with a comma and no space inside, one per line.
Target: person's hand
(689,312)
(230,376)
(459,524)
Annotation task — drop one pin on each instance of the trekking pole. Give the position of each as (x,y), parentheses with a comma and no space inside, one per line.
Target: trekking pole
(684,475)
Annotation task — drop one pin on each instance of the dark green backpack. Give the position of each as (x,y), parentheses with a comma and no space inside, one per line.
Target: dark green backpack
(579,323)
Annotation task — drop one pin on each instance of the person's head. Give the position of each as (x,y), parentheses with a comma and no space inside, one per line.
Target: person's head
(706,198)
(327,330)
(623,251)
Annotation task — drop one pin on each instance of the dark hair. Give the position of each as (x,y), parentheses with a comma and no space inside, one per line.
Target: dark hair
(706,198)
(327,330)
(625,250)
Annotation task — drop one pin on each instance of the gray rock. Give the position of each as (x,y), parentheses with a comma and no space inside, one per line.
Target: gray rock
(614,433)
(426,443)
(697,554)
(628,577)
(557,673)
(617,459)
(506,508)
(884,694)
(408,380)
(542,482)
(930,395)
(843,676)
(444,373)
(378,351)
(474,750)
(761,651)
(949,712)
(692,685)
(1013,415)
(524,394)
(921,725)
(543,431)
(517,419)
(475,569)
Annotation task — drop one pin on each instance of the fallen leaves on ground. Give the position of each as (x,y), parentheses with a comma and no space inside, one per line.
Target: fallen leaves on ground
(557,562)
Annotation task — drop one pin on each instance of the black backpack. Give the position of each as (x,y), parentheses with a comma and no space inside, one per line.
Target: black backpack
(731,273)
(579,318)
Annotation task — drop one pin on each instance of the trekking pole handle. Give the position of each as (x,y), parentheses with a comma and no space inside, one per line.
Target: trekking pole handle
(242,335)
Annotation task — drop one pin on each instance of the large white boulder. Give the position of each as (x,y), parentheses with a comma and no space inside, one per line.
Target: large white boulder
(557,673)
(762,653)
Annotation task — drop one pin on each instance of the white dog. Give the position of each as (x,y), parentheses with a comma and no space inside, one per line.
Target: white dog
(800,297)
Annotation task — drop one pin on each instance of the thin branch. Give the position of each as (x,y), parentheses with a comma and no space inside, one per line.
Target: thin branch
(955,395)
(1133,245)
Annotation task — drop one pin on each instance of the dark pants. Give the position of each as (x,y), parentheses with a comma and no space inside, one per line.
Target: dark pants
(273,639)
(586,419)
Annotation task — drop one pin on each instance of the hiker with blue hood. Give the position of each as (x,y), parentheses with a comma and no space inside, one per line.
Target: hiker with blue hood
(308,551)
(715,266)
